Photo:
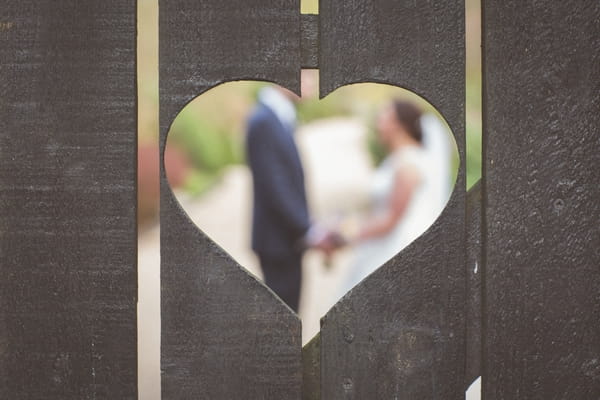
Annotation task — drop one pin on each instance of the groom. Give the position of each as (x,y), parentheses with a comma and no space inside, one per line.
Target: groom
(281,228)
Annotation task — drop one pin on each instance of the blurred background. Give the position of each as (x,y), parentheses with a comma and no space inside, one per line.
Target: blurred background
(205,160)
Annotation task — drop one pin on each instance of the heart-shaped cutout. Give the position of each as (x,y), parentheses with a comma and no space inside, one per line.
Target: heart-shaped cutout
(349,175)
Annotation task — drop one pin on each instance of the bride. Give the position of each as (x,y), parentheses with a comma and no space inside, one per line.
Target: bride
(404,197)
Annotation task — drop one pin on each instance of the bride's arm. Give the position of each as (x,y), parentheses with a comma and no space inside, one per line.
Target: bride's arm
(405,183)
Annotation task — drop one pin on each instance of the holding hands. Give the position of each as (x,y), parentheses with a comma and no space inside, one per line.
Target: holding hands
(330,242)
(326,240)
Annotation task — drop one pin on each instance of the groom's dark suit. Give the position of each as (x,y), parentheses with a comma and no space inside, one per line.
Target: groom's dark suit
(280,213)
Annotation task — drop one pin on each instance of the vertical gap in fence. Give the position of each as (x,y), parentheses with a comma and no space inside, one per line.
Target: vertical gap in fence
(473,90)
(148,203)
(309,6)
(474,265)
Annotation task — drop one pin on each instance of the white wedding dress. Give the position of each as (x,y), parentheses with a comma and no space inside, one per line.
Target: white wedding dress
(423,208)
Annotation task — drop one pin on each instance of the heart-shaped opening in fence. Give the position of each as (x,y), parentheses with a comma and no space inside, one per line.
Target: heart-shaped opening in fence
(355,177)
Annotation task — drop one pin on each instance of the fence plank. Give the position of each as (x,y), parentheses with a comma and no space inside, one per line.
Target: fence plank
(224,334)
(68,200)
(311,369)
(473,273)
(401,332)
(542,251)
(309,24)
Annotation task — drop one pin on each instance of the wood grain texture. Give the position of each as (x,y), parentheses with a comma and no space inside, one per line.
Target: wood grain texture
(224,334)
(311,369)
(401,332)
(474,293)
(542,213)
(309,24)
(68,237)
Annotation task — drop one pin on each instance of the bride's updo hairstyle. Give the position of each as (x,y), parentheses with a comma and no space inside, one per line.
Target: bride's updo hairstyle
(409,116)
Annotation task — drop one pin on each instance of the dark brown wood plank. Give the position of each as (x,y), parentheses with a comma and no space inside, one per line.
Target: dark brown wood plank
(68,237)
(309,24)
(224,334)
(311,369)
(541,197)
(474,293)
(401,332)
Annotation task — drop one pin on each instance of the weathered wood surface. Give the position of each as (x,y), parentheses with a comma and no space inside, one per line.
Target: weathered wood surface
(541,197)
(311,369)
(224,334)
(309,29)
(401,332)
(68,200)
(474,294)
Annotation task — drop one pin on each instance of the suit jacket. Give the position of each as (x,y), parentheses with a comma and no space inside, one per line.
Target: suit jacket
(280,213)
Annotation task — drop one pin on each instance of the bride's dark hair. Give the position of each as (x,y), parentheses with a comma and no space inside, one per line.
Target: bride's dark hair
(409,115)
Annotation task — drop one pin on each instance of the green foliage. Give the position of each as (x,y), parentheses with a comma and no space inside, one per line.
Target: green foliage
(474,128)
(314,109)
(209,146)
(198,181)
(211,129)
(473,156)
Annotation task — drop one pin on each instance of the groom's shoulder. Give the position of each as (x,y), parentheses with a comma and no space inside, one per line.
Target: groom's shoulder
(260,116)
(260,112)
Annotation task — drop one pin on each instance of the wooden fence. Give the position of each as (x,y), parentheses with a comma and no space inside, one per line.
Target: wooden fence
(421,327)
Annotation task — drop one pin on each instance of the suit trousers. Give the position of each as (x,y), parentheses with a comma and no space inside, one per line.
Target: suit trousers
(283,274)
